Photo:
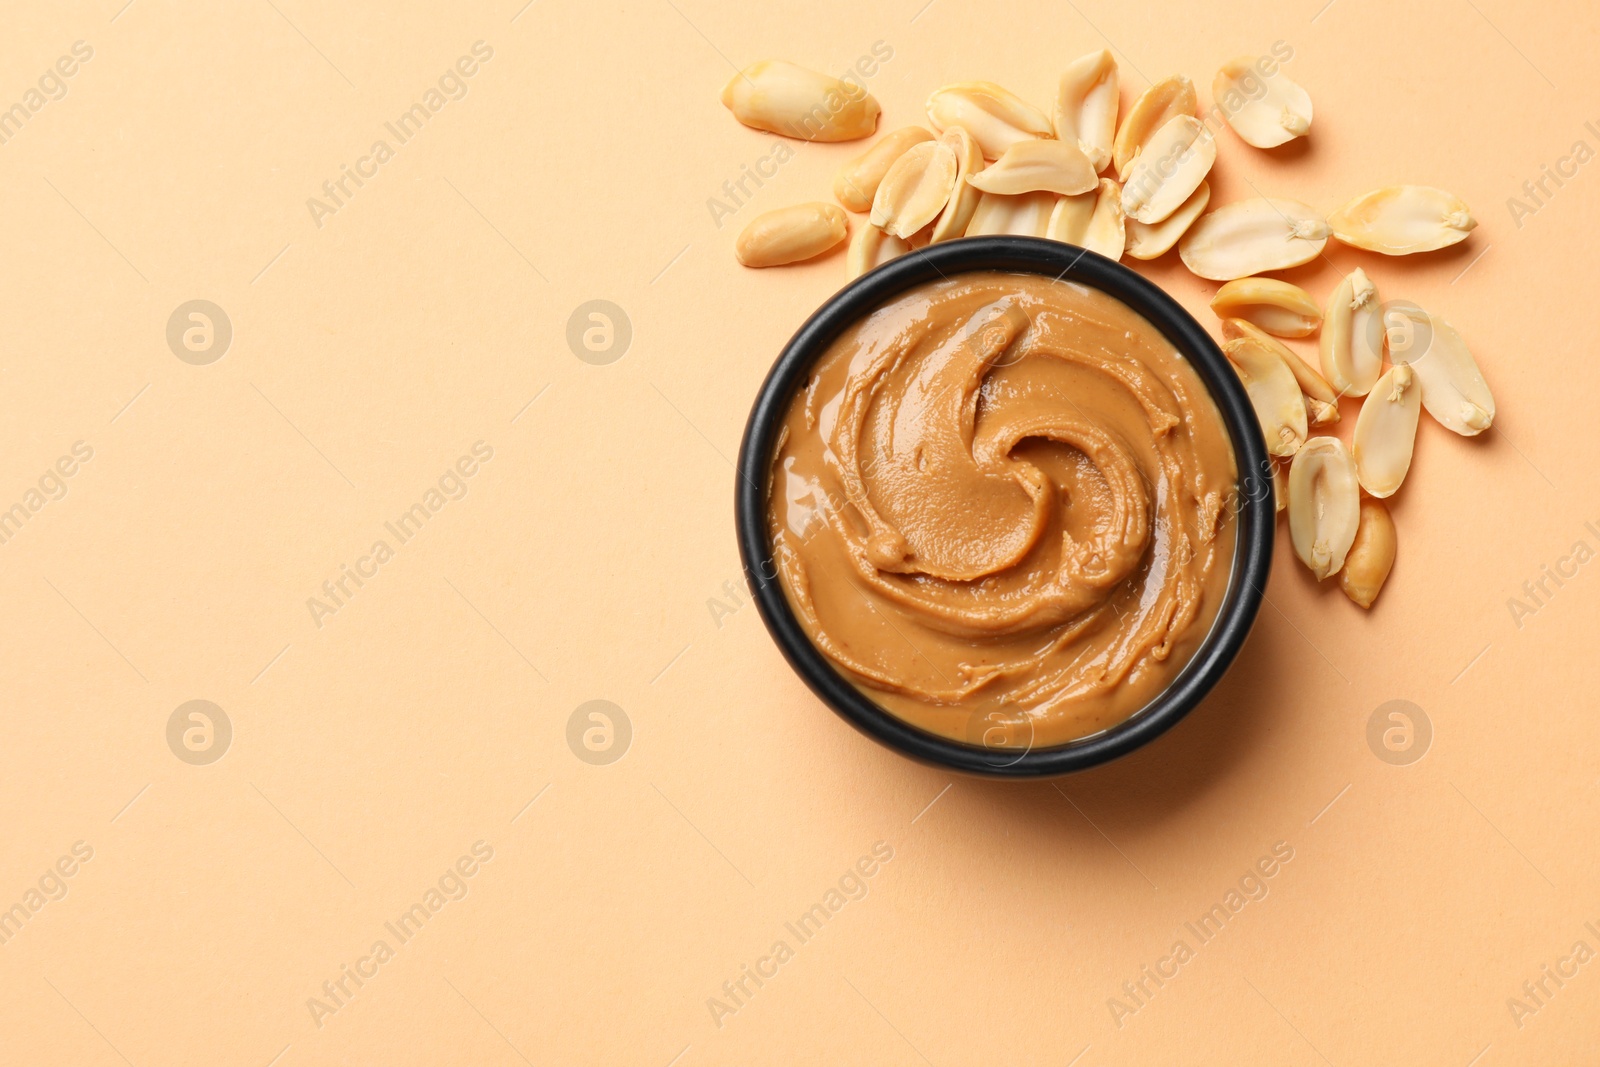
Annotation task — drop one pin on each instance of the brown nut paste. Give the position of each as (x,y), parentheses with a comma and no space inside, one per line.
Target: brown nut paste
(999,507)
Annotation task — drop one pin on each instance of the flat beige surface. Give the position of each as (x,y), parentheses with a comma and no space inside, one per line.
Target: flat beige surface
(375,744)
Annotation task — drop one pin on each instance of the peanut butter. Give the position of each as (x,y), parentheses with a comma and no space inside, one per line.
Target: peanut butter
(998,506)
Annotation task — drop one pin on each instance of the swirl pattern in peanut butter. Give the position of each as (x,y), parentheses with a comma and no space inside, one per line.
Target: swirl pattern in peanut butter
(998,505)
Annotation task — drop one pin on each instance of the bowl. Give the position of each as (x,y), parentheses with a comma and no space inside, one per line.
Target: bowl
(1253,502)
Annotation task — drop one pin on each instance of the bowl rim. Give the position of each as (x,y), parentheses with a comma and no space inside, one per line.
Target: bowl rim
(1256,512)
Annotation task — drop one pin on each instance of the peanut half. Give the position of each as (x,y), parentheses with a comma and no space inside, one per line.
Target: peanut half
(1386,431)
(1169,169)
(1252,237)
(1035,166)
(1091,220)
(996,118)
(871,247)
(1277,307)
(1086,106)
(1273,392)
(795,102)
(1322,403)
(1353,336)
(916,189)
(1071,217)
(1026,215)
(1324,505)
(1398,220)
(857,181)
(1263,111)
(1147,241)
(1157,105)
(1453,389)
(1371,555)
(791,234)
(952,221)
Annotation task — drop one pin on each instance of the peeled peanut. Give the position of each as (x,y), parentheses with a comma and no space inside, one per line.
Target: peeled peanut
(1155,106)
(996,118)
(1071,217)
(1324,505)
(1091,220)
(1253,237)
(1371,555)
(952,221)
(1322,403)
(857,181)
(1276,306)
(1398,220)
(1086,106)
(1026,215)
(916,189)
(1035,166)
(1386,431)
(1353,336)
(1274,394)
(1149,240)
(795,102)
(1453,389)
(791,234)
(1108,231)
(871,247)
(1168,170)
(1264,111)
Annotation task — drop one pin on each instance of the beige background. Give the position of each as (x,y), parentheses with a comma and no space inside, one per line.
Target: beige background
(429,313)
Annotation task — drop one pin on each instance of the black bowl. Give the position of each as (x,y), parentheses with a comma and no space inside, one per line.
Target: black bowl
(1255,509)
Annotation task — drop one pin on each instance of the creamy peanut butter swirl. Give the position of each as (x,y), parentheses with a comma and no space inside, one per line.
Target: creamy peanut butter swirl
(998,506)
